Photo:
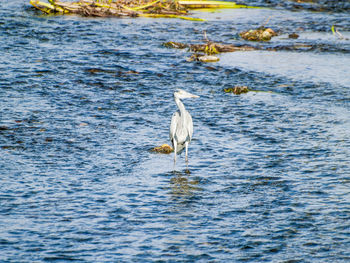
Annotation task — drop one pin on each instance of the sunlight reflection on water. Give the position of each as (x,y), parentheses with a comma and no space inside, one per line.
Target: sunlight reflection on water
(317,68)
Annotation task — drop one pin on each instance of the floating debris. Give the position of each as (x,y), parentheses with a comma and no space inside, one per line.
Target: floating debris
(177,45)
(131,8)
(200,4)
(300,46)
(293,36)
(201,58)
(237,90)
(205,52)
(119,8)
(165,149)
(216,48)
(12,147)
(259,34)
(208,48)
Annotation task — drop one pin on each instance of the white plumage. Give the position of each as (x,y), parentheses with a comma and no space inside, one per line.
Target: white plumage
(181,126)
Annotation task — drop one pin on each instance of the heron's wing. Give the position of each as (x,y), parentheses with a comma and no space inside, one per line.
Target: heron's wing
(173,125)
(189,125)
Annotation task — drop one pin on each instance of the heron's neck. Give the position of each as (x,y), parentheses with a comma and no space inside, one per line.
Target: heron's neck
(180,105)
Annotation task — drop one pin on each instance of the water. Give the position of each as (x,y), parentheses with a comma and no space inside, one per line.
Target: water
(82,101)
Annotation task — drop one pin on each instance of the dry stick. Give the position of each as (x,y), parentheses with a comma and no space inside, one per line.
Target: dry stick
(339,34)
(267,20)
(205,36)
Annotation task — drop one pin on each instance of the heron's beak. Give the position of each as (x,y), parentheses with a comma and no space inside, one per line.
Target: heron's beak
(194,96)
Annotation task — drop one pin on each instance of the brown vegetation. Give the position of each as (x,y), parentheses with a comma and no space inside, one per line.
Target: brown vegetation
(131,8)
(165,149)
(237,90)
(259,34)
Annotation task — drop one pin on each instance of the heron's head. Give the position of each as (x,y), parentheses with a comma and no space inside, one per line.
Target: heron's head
(181,94)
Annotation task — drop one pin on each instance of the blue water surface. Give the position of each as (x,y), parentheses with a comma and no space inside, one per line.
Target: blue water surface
(84,99)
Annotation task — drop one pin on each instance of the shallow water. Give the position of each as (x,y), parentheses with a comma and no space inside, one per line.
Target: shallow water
(82,101)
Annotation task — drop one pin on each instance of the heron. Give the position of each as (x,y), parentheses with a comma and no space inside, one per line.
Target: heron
(181,126)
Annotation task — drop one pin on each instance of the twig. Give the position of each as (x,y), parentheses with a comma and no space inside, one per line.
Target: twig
(338,34)
(205,36)
(267,20)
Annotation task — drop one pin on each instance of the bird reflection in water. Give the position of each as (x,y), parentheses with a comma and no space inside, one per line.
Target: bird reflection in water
(181,185)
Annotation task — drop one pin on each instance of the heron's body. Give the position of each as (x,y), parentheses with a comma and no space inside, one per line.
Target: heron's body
(181,127)
(183,133)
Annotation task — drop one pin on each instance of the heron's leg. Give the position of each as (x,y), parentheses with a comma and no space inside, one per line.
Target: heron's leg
(175,144)
(186,150)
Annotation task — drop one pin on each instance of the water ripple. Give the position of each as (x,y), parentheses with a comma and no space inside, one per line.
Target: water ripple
(83,100)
